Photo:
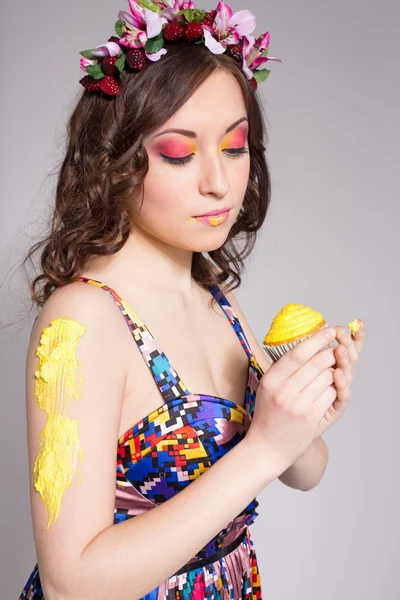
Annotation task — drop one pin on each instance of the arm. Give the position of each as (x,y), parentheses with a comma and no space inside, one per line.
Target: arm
(163,539)
(83,555)
(306,472)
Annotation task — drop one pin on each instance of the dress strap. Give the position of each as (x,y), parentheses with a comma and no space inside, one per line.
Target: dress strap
(166,377)
(233,319)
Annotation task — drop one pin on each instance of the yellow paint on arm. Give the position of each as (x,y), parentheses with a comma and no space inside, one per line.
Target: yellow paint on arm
(55,388)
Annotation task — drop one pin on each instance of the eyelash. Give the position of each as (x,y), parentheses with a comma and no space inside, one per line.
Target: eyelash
(180,162)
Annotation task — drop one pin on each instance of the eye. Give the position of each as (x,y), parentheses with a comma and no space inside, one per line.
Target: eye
(236,152)
(184,160)
(181,161)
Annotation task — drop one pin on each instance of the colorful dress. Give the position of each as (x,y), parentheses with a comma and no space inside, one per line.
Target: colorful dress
(161,454)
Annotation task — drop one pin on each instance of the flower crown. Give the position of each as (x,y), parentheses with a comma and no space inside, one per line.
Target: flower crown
(143,31)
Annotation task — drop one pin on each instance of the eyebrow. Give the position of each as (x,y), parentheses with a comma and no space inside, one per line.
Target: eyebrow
(193,134)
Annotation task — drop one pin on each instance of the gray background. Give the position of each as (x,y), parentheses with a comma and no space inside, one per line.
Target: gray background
(330,241)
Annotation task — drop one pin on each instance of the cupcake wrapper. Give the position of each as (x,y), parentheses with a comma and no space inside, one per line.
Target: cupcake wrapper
(276,352)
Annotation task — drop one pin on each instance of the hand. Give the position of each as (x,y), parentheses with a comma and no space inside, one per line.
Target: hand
(293,396)
(347,354)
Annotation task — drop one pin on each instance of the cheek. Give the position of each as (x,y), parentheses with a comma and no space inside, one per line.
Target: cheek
(163,194)
(240,172)
(166,187)
(160,201)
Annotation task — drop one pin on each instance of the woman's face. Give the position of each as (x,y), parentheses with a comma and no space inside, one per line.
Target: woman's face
(201,169)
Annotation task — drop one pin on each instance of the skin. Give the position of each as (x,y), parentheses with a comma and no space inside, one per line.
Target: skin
(216,176)
(156,260)
(55,388)
(157,257)
(347,354)
(153,273)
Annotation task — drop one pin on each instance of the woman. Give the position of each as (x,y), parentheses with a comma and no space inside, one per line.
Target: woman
(111,436)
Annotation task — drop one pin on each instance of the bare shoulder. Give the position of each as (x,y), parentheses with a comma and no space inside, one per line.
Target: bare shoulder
(90,306)
(81,301)
(261,357)
(75,383)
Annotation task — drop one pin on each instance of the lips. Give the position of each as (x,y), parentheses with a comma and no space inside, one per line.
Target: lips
(212,213)
(214,220)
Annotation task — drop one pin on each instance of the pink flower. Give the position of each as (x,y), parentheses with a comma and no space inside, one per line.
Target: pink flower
(141,24)
(176,5)
(228,28)
(252,53)
(108,49)
(182,4)
(171,7)
(84,62)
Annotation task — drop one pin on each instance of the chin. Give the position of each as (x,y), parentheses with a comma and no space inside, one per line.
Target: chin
(202,244)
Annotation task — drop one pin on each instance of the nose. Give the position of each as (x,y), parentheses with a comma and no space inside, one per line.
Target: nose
(213,177)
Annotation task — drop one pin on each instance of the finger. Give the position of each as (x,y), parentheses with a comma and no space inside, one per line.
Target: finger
(317,387)
(344,337)
(310,372)
(343,362)
(342,387)
(293,360)
(359,337)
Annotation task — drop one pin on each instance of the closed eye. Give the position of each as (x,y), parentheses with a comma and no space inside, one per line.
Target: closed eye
(184,160)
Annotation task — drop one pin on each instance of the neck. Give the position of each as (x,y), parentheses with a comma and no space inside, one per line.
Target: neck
(150,261)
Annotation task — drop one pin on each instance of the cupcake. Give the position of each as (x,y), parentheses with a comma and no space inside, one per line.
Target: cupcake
(293,324)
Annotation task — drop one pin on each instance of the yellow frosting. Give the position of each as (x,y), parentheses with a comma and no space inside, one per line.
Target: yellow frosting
(292,322)
(354,326)
(55,387)
(214,221)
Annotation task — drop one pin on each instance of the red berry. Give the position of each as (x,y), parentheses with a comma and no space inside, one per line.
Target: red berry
(109,85)
(136,58)
(114,38)
(193,31)
(236,53)
(209,17)
(254,83)
(173,32)
(90,83)
(108,65)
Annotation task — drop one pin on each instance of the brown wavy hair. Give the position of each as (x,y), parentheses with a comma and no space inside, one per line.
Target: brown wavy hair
(105,161)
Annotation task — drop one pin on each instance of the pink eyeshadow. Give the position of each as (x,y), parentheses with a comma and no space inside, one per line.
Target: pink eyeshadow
(235,139)
(175,148)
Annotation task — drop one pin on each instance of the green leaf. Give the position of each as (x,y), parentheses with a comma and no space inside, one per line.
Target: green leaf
(265,53)
(150,5)
(188,12)
(198,15)
(119,28)
(95,71)
(261,75)
(154,44)
(120,63)
(88,54)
